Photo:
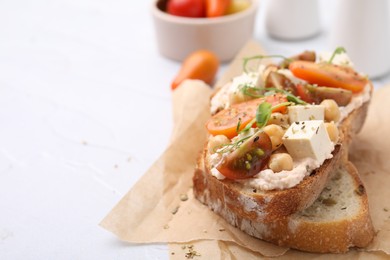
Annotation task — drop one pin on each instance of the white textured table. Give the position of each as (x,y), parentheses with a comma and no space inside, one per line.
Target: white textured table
(85,109)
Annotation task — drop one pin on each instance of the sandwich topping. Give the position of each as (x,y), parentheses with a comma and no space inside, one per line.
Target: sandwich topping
(274,125)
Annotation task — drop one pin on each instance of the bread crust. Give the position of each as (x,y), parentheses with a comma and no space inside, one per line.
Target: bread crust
(271,205)
(351,126)
(270,215)
(266,205)
(334,236)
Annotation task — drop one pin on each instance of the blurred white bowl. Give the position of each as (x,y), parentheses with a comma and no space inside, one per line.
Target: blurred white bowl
(178,36)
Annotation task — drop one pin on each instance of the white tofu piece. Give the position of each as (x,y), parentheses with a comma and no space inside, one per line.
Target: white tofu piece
(303,113)
(308,139)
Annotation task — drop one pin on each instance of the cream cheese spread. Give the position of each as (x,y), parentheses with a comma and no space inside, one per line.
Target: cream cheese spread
(341,59)
(357,100)
(221,100)
(269,180)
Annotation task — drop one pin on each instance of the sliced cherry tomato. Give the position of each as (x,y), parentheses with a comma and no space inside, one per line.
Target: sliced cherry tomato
(225,122)
(249,159)
(216,8)
(276,99)
(306,55)
(186,8)
(328,75)
(341,96)
(313,94)
(304,93)
(279,81)
(201,65)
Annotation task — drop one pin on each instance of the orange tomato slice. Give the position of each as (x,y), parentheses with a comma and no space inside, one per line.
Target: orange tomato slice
(225,122)
(328,75)
(304,93)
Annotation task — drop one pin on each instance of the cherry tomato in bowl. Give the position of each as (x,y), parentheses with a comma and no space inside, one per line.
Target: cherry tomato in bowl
(187,8)
(216,8)
(237,6)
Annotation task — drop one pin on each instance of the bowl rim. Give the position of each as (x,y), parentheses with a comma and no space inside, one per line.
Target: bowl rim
(203,20)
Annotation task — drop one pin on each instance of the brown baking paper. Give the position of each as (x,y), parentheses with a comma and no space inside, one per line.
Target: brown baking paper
(161,207)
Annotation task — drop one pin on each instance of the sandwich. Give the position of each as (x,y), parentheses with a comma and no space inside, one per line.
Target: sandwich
(276,161)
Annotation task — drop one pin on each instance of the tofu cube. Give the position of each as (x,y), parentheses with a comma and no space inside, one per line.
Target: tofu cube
(308,139)
(303,113)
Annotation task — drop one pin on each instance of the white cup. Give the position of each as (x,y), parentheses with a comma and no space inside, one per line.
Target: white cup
(292,19)
(362,28)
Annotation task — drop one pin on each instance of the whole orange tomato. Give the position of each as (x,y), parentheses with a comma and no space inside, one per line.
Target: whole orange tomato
(186,8)
(202,65)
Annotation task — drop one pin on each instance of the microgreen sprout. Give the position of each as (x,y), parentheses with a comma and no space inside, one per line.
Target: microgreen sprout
(260,57)
(238,125)
(264,112)
(232,146)
(261,92)
(252,91)
(338,50)
(249,125)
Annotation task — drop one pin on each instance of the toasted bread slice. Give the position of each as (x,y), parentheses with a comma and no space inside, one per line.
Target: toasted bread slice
(274,204)
(337,220)
(264,206)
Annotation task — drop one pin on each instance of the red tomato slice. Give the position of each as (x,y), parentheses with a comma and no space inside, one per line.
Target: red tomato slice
(304,93)
(249,159)
(225,122)
(328,75)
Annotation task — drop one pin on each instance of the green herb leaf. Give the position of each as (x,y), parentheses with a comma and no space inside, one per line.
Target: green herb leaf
(289,95)
(249,125)
(338,50)
(251,91)
(295,100)
(261,92)
(230,147)
(238,125)
(263,114)
(259,57)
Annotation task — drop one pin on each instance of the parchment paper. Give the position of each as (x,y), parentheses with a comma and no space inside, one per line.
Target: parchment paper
(161,207)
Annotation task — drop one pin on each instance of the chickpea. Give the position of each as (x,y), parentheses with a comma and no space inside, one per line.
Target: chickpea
(279,119)
(333,131)
(280,161)
(275,133)
(217,142)
(281,149)
(332,112)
